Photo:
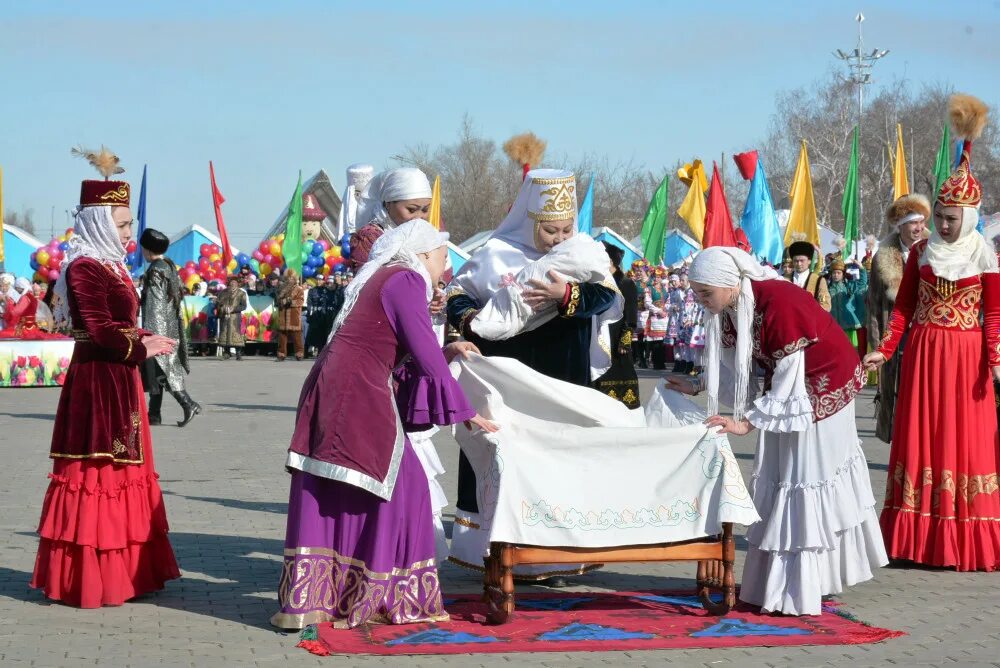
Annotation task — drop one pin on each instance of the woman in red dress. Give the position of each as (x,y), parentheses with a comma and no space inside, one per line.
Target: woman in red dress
(942,502)
(19,316)
(103,527)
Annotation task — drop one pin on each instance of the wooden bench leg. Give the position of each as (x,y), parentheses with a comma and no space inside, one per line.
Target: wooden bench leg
(499,583)
(718,574)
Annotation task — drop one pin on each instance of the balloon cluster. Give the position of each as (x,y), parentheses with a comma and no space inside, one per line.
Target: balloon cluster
(209,267)
(47,260)
(318,256)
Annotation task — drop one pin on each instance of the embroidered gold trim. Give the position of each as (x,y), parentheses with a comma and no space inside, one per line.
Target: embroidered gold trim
(96,455)
(539,217)
(944,306)
(119,194)
(553,181)
(574,300)
(461,521)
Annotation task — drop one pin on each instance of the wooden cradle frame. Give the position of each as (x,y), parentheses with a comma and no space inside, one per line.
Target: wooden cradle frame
(715,555)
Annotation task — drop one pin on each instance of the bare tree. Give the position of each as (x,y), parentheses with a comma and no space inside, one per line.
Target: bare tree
(24,220)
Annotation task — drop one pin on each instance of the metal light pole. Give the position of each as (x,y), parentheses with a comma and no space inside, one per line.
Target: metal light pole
(860,65)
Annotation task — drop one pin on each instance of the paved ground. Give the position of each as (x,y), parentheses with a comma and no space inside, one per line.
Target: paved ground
(225,491)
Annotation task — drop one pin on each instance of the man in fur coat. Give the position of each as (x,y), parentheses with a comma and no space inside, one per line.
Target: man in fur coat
(909,216)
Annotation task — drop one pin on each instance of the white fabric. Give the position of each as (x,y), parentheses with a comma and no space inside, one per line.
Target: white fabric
(22,285)
(394,185)
(799,278)
(424,448)
(398,246)
(819,531)
(905,250)
(785,407)
(969,255)
(619,481)
(909,218)
(725,267)
(95,235)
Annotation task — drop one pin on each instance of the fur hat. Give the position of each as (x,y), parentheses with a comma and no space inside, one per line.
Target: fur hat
(902,208)
(154,241)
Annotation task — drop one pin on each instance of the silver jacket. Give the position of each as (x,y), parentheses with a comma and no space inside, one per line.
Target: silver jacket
(161,303)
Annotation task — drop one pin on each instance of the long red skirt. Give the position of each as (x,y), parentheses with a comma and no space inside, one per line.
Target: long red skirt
(942,501)
(103,531)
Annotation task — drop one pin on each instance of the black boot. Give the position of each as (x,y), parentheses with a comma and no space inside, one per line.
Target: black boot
(190,406)
(155,402)
(239,354)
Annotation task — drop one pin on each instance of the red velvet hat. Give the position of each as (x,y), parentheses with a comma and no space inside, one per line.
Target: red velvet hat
(311,209)
(106,192)
(968,117)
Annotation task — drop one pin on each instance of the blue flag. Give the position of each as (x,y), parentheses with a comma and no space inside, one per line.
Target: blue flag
(585,221)
(759,221)
(141,217)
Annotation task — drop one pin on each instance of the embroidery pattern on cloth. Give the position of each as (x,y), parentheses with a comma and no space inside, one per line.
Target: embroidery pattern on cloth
(955,310)
(827,401)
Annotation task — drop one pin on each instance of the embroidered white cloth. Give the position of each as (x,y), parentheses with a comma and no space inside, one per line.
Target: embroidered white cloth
(572,467)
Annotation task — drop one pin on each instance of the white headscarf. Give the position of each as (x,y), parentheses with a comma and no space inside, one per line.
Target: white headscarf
(725,267)
(394,185)
(95,236)
(969,255)
(22,285)
(398,246)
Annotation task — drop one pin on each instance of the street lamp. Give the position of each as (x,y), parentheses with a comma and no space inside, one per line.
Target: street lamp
(860,65)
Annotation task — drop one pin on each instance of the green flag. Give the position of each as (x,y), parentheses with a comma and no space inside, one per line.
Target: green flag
(654,225)
(292,248)
(849,204)
(942,163)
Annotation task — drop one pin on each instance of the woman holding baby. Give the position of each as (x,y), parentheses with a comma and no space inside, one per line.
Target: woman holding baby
(569,340)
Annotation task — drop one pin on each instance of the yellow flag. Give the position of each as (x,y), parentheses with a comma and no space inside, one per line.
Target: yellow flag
(434,216)
(900,184)
(802,223)
(1,215)
(692,209)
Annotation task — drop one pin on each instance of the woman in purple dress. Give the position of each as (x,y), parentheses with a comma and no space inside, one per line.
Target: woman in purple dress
(359,545)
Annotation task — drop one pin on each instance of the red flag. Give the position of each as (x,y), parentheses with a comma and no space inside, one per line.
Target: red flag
(718,222)
(217,200)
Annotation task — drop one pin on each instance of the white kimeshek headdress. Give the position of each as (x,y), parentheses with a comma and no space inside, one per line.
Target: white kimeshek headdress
(545,195)
(969,255)
(398,246)
(725,267)
(95,236)
(358,176)
(391,186)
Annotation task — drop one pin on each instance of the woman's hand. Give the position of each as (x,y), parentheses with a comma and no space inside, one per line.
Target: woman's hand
(729,425)
(482,423)
(873,361)
(157,345)
(996,374)
(463,348)
(438,303)
(683,385)
(542,293)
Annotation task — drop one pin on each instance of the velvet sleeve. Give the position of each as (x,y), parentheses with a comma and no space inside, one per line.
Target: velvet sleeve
(906,304)
(585,300)
(991,317)
(427,394)
(631,297)
(88,285)
(460,309)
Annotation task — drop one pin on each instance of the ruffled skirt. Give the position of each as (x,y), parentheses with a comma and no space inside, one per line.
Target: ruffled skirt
(818,531)
(103,532)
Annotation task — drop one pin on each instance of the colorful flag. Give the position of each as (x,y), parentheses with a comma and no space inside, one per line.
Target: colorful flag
(585,221)
(900,182)
(654,225)
(141,215)
(692,209)
(217,200)
(1,218)
(718,221)
(802,217)
(759,221)
(292,248)
(434,215)
(849,202)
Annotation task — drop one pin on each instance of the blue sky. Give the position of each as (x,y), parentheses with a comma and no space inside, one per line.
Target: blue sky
(265,89)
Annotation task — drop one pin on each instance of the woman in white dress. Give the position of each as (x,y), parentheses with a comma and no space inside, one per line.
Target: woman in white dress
(819,531)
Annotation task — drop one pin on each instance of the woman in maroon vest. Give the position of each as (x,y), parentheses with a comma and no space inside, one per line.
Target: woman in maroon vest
(359,545)
(818,531)
(103,527)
